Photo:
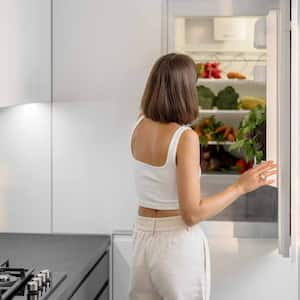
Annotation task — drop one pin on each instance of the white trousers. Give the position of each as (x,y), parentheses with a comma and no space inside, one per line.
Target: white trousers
(170,261)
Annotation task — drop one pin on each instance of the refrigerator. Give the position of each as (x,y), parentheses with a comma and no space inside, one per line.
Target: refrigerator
(245,52)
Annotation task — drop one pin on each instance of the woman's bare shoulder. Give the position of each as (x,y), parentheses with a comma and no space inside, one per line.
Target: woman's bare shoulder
(189,136)
(189,140)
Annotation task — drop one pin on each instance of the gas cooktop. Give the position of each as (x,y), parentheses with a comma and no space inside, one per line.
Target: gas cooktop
(25,283)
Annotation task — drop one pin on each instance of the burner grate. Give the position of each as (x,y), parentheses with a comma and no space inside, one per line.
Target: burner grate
(12,279)
(21,283)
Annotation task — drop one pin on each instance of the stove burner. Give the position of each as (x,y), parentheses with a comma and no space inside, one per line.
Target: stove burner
(27,284)
(4,278)
(7,280)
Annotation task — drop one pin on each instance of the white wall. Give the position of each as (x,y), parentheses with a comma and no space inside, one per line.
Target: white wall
(241,269)
(103,51)
(25,204)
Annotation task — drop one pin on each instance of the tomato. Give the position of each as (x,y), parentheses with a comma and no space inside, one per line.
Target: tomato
(250,164)
(241,166)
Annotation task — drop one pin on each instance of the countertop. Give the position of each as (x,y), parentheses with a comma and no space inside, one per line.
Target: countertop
(71,254)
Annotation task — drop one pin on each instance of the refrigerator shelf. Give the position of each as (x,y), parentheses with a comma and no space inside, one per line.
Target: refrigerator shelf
(228,116)
(219,143)
(230,176)
(234,82)
(205,112)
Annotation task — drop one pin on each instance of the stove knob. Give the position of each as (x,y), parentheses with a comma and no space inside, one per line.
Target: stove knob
(32,287)
(47,274)
(43,278)
(39,282)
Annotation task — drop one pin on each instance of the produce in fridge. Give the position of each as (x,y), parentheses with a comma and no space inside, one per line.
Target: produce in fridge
(235,75)
(215,159)
(241,166)
(211,130)
(205,97)
(200,67)
(227,98)
(209,70)
(250,102)
(251,137)
(229,133)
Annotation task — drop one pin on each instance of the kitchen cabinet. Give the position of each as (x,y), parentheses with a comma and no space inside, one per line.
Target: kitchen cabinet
(25,202)
(241,268)
(25,78)
(103,52)
(122,248)
(96,282)
(103,48)
(25,55)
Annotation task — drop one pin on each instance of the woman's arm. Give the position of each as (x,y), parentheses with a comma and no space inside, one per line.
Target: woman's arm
(193,208)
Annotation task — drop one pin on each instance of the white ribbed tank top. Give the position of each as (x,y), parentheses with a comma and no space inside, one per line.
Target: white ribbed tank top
(156,186)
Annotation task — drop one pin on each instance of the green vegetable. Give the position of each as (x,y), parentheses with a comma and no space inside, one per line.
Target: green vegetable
(205,97)
(251,138)
(227,98)
(208,127)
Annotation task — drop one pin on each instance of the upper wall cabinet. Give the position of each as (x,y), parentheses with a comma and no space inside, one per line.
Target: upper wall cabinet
(25,52)
(103,50)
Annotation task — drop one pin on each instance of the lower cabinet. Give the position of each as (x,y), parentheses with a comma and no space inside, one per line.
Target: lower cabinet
(121,261)
(95,285)
(241,268)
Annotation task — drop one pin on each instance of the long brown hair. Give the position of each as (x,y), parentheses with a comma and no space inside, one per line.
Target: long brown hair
(170,94)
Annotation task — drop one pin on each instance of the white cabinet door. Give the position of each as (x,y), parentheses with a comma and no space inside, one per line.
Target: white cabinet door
(245,262)
(122,248)
(25,168)
(103,47)
(25,52)
(103,52)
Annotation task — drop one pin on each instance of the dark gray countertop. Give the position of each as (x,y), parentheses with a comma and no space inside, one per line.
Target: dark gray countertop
(71,254)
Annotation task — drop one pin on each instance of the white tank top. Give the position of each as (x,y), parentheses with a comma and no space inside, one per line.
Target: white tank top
(156,186)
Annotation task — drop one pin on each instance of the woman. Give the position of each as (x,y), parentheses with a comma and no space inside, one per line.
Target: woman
(171,257)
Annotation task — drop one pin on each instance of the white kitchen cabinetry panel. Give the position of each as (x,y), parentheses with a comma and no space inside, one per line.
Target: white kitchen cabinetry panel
(93,188)
(251,269)
(241,269)
(103,52)
(122,248)
(25,168)
(103,48)
(221,7)
(25,53)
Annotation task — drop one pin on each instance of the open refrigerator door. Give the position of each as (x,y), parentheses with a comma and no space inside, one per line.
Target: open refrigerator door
(244,107)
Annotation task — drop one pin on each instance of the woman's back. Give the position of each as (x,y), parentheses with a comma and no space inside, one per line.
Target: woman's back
(154,147)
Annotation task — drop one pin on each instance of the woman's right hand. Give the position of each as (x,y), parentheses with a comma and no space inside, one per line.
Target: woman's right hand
(257,177)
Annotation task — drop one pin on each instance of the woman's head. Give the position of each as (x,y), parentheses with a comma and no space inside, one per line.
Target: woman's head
(170,94)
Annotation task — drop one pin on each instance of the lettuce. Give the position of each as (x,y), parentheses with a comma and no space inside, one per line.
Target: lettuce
(227,98)
(205,97)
